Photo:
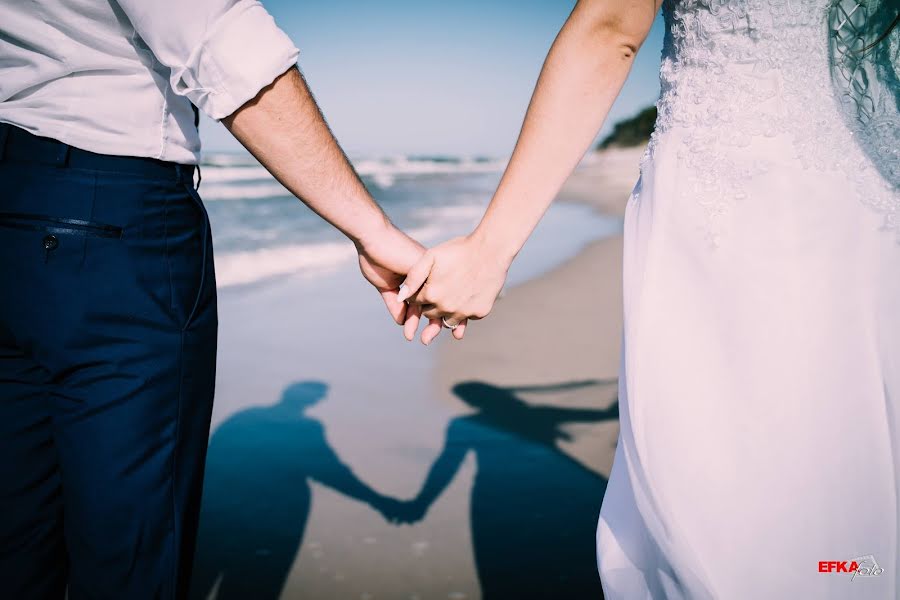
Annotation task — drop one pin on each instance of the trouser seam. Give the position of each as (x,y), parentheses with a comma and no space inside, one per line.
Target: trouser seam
(174,531)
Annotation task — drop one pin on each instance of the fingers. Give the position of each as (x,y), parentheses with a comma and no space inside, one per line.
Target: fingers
(436,311)
(416,277)
(430,311)
(460,330)
(431,331)
(398,310)
(413,317)
(420,296)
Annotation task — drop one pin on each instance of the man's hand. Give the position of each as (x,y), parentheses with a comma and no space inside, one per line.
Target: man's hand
(286,132)
(384,259)
(399,512)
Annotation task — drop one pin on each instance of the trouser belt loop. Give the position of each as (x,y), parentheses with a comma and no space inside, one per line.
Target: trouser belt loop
(62,155)
(4,133)
(185,174)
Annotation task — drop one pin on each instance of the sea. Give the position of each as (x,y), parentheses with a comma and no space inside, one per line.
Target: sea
(262,232)
(322,407)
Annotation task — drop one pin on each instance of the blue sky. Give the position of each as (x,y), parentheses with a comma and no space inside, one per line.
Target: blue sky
(428,77)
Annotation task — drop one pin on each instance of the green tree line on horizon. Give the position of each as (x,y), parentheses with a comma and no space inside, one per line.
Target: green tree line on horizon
(631,132)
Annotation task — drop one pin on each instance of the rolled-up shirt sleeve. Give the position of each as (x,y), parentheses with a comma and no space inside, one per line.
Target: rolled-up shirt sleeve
(221,53)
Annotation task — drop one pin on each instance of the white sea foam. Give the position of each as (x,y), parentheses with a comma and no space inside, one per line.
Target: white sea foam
(225,160)
(220,170)
(241,268)
(316,259)
(224,191)
(213,174)
(456,212)
(384,172)
(383,180)
(427,233)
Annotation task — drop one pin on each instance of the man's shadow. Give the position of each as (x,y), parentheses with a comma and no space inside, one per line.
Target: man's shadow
(534,509)
(256,495)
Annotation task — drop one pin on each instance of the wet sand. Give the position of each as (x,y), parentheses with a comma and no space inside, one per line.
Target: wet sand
(541,374)
(347,463)
(564,326)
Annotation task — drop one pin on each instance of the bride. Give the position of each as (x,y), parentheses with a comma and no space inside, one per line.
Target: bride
(759,385)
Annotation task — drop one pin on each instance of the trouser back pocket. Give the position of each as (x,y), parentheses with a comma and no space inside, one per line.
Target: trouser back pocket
(58,225)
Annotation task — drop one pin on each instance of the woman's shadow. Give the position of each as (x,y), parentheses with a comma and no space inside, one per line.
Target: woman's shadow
(256,495)
(534,509)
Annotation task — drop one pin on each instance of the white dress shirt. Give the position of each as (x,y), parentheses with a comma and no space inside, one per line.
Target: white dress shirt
(119,76)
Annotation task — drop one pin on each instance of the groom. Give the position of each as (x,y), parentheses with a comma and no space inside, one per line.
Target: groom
(108,313)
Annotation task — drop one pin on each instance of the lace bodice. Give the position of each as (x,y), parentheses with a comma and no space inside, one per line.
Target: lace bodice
(734,70)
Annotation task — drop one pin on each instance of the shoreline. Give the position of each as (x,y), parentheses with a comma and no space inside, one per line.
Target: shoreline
(604,180)
(323,412)
(561,327)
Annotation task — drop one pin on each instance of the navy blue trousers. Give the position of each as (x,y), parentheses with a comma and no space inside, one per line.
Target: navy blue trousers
(107,366)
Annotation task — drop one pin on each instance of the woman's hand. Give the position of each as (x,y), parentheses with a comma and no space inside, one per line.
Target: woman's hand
(581,77)
(455,281)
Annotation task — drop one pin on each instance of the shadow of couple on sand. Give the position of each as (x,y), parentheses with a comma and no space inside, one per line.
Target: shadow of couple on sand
(533,508)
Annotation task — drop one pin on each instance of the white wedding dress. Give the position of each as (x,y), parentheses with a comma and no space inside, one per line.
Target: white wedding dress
(759,386)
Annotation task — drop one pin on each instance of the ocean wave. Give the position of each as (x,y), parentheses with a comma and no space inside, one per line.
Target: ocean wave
(228,160)
(383,172)
(231,174)
(241,268)
(467,213)
(224,191)
(312,260)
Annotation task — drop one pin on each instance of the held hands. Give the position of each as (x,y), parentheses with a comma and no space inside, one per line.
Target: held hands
(384,259)
(452,282)
(400,512)
(448,284)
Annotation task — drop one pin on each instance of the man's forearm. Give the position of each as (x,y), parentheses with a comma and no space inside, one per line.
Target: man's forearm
(284,129)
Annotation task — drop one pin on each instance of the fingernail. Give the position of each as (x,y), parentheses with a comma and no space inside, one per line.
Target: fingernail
(403,294)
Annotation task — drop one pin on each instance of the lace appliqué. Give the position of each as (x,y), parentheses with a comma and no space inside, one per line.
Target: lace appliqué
(736,70)
(717,181)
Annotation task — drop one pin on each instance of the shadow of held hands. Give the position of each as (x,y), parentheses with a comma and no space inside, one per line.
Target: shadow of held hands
(401,512)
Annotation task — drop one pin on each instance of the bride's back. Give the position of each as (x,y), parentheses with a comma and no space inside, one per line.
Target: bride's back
(749,83)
